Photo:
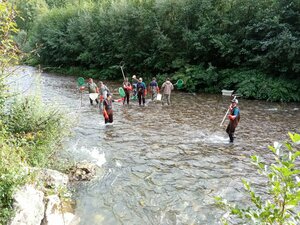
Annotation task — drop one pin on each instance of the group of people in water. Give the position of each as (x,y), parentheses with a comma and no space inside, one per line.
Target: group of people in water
(139,91)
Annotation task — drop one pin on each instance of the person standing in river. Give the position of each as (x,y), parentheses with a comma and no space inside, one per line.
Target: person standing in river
(166,88)
(234,119)
(127,88)
(103,91)
(134,84)
(92,89)
(153,88)
(141,88)
(107,109)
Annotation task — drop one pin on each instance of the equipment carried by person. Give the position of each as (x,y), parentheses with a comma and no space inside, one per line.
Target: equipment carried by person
(93,96)
(80,81)
(179,83)
(158,97)
(234,98)
(121,92)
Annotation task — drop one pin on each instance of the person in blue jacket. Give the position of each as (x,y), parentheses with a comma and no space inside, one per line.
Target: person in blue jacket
(141,88)
(234,119)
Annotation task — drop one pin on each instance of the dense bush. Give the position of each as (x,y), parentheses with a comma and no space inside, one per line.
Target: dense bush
(36,128)
(176,37)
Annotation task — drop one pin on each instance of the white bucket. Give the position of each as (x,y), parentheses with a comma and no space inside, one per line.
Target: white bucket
(93,96)
(158,97)
(227,92)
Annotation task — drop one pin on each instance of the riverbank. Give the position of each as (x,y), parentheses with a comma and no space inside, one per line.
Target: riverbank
(248,83)
(31,132)
(162,164)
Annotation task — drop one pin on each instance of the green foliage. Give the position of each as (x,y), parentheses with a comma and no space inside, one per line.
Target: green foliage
(9,52)
(280,204)
(193,39)
(35,128)
(10,175)
(28,11)
(29,132)
(257,85)
(8,48)
(30,136)
(197,78)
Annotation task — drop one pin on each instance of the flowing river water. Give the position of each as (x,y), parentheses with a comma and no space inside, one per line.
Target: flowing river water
(162,164)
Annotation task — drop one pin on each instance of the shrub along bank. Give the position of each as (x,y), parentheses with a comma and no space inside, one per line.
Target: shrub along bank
(30,131)
(29,135)
(246,45)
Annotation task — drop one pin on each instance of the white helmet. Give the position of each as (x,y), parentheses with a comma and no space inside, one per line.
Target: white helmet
(235,101)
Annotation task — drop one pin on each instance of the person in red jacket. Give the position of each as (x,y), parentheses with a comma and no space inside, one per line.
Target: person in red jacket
(127,88)
(107,108)
(234,118)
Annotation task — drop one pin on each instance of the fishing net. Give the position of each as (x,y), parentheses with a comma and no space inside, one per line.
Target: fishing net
(80,81)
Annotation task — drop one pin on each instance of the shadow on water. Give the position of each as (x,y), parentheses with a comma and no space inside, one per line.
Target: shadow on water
(165,164)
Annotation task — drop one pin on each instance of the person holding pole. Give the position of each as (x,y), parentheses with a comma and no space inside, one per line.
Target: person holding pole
(234,118)
(127,88)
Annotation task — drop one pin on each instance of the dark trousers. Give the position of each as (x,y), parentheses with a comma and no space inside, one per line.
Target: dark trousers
(230,130)
(110,118)
(141,97)
(126,98)
(91,101)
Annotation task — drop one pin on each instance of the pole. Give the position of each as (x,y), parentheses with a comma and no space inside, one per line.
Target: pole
(80,98)
(224,117)
(122,72)
(226,113)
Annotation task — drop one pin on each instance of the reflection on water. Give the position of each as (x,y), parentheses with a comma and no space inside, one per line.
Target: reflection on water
(165,165)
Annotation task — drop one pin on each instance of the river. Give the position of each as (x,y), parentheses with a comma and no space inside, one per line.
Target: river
(162,164)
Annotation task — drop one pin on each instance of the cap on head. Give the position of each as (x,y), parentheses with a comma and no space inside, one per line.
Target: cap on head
(140,79)
(235,101)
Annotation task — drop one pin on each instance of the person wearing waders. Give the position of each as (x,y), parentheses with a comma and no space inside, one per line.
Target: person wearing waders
(153,88)
(103,89)
(127,88)
(166,88)
(92,88)
(134,84)
(107,109)
(234,119)
(141,87)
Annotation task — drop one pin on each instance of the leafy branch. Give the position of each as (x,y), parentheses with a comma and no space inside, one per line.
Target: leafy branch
(280,204)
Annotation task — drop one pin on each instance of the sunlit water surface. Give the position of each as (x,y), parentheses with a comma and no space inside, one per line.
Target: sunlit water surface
(161,164)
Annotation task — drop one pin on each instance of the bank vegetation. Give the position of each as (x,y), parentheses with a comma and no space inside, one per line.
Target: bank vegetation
(250,46)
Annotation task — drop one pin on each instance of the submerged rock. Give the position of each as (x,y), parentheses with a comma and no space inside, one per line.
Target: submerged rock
(83,171)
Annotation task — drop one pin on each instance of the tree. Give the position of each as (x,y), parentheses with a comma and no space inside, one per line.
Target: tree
(9,52)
